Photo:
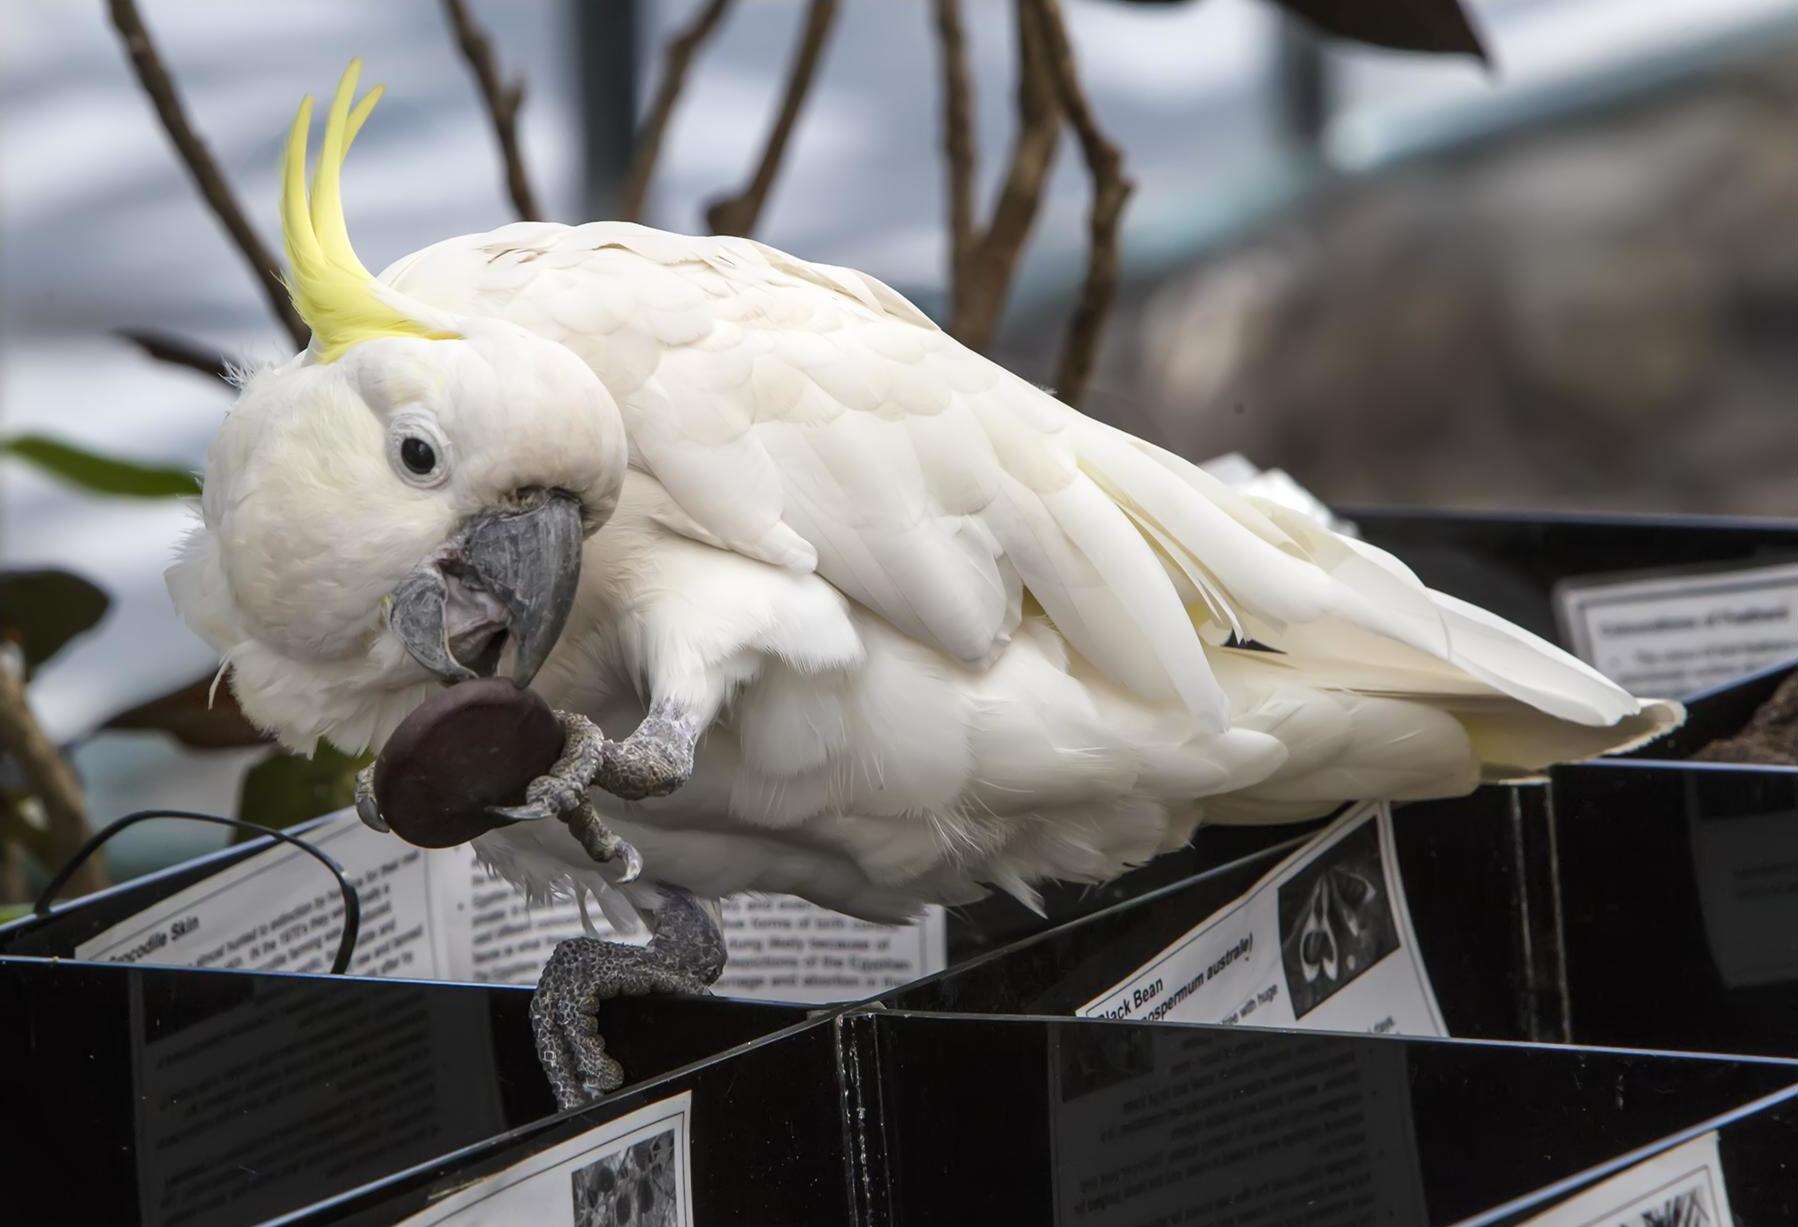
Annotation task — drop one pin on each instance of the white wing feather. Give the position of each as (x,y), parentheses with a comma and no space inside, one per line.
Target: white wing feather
(810,417)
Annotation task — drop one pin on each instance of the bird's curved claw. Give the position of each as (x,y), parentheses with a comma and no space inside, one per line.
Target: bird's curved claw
(530,811)
(367,808)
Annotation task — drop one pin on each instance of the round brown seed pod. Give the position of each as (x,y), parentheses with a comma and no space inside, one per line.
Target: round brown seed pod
(473,745)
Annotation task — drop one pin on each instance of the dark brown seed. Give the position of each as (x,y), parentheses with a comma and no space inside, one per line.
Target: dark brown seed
(477,743)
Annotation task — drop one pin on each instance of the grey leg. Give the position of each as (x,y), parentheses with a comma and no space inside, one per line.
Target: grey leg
(653,761)
(561,793)
(685,955)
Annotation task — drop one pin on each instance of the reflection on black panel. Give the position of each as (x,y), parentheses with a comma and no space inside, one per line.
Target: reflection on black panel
(1169,1125)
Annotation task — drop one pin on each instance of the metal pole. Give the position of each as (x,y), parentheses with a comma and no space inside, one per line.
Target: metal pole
(1302,85)
(606,33)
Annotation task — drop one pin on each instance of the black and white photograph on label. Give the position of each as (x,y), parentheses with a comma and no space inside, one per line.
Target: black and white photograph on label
(633,1187)
(1336,919)
(629,611)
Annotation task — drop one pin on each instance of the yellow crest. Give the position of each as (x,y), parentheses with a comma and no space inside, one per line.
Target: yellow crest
(339,299)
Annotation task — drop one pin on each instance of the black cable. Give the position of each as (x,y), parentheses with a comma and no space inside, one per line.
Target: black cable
(352,903)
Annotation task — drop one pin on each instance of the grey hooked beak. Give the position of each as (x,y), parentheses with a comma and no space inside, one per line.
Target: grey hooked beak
(509,576)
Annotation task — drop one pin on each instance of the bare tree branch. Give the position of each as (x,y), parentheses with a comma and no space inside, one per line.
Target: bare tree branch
(1104,166)
(979,295)
(27,838)
(165,348)
(502,101)
(646,148)
(738,214)
(198,159)
(51,780)
(958,137)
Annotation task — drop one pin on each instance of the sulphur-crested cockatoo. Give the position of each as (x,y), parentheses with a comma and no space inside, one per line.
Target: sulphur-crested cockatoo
(891,624)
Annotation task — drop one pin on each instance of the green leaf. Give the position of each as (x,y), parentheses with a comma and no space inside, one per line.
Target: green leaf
(43,610)
(285,788)
(100,474)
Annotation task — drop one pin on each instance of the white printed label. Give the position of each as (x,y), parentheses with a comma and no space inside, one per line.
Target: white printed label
(437,915)
(1682,1185)
(1323,942)
(1676,635)
(636,1169)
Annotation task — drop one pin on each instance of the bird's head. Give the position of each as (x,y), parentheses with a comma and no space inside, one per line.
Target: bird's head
(407,498)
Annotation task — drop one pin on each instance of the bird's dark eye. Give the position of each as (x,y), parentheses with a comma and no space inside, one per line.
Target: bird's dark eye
(418,455)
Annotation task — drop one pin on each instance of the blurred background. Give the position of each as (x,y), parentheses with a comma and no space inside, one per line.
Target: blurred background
(1566,279)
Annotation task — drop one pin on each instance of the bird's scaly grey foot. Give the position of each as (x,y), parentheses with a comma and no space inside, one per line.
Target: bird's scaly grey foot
(686,955)
(561,792)
(652,762)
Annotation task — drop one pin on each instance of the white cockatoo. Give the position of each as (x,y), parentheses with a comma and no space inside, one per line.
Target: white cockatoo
(891,624)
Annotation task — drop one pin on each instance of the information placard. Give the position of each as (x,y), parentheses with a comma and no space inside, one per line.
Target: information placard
(438,915)
(1323,942)
(1674,634)
(636,1169)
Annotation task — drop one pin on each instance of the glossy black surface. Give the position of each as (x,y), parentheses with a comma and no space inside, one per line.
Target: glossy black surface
(980,1120)
(220,1097)
(1754,1145)
(1510,563)
(1649,905)
(1474,873)
(769,1140)
(1680,884)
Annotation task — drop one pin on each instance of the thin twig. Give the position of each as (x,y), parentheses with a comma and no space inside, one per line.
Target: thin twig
(958,136)
(180,352)
(51,780)
(502,101)
(738,214)
(1105,167)
(198,159)
(646,146)
(979,296)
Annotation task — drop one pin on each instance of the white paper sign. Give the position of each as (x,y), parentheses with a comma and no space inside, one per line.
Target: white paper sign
(1323,942)
(636,1169)
(1675,635)
(1680,1187)
(436,915)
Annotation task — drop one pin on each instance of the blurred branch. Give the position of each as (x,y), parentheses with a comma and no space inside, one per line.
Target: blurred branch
(738,214)
(958,135)
(1104,166)
(983,282)
(22,835)
(180,352)
(202,715)
(50,778)
(677,57)
(502,101)
(156,82)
